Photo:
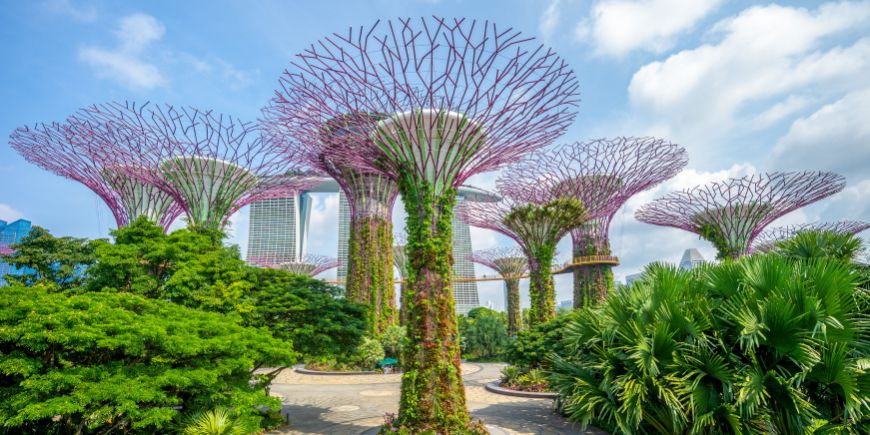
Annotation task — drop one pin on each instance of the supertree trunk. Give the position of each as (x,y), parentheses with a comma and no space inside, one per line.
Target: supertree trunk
(515,314)
(432,393)
(370,270)
(542,291)
(593,279)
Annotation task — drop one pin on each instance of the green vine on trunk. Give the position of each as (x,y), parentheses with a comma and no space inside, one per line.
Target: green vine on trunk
(370,270)
(433,397)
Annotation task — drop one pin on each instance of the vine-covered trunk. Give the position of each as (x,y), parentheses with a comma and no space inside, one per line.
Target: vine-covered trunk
(515,314)
(542,292)
(592,282)
(433,398)
(370,270)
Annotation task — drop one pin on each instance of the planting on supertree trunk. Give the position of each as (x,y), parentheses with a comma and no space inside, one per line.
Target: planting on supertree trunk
(400,260)
(211,164)
(767,240)
(730,214)
(371,197)
(68,149)
(453,98)
(511,264)
(603,174)
(537,228)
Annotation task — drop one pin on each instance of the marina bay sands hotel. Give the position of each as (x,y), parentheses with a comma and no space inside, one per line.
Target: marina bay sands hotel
(279,232)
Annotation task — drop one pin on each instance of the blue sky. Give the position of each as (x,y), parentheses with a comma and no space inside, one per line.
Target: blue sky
(744,86)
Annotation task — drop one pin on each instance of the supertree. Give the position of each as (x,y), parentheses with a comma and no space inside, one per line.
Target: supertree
(310,265)
(400,260)
(511,263)
(603,174)
(730,214)
(209,163)
(457,98)
(371,197)
(537,228)
(67,150)
(768,238)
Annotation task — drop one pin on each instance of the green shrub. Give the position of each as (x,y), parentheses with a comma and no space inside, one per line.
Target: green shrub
(215,422)
(483,334)
(98,361)
(393,340)
(369,353)
(532,346)
(772,344)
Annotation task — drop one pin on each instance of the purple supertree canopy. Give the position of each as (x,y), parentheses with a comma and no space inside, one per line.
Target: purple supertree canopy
(310,265)
(211,164)
(367,193)
(771,236)
(733,212)
(509,262)
(603,174)
(491,91)
(63,149)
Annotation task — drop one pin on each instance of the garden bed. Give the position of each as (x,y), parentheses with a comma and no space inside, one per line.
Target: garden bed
(495,387)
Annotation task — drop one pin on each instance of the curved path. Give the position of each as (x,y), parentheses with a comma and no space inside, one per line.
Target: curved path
(356,404)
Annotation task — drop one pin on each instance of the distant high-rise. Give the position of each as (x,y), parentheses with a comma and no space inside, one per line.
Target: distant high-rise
(464,292)
(279,229)
(691,258)
(11,233)
(343,234)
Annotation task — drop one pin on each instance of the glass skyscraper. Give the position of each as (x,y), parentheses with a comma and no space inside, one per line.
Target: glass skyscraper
(11,233)
(278,230)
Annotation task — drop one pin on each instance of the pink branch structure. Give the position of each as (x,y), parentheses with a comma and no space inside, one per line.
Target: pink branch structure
(732,213)
(537,228)
(511,263)
(209,163)
(62,149)
(371,196)
(768,238)
(445,99)
(311,265)
(603,174)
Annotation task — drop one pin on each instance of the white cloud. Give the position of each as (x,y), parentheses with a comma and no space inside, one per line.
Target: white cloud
(549,19)
(618,27)
(769,64)
(835,137)
(126,62)
(9,214)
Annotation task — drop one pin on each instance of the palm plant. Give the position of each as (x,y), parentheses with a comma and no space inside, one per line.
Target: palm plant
(215,422)
(766,344)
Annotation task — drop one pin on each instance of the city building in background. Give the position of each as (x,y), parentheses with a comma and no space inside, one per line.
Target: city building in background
(279,229)
(10,234)
(691,258)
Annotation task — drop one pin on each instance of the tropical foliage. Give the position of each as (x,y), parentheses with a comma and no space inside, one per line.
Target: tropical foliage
(774,343)
(483,334)
(44,259)
(100,362)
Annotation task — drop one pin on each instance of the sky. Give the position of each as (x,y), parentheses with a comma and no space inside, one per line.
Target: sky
(744,86)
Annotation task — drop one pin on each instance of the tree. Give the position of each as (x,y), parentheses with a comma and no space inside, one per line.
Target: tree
(730,214)
(58,262)
(100,362)
(449,98)
(484,333)
(189,268)
(306,311)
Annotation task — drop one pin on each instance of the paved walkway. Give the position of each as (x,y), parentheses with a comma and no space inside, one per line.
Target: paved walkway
(355,404)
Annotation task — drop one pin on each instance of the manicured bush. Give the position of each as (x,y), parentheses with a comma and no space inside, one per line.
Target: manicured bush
(100,361)
(533,345)
(772,343)
(483,334)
